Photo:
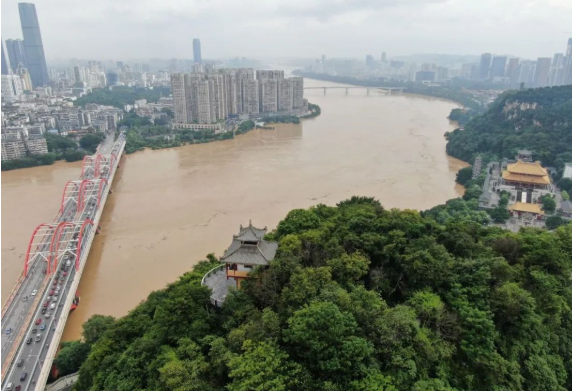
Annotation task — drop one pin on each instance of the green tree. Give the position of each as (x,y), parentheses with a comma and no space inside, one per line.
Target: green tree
(71,356)
(553,222)
(548,204)
(325,340)
(350,268)
(565,195)
(565,184)
(464,175)
(500,214)
(95,327)
(262,366)
(473,192)
(90,141)
(73,155)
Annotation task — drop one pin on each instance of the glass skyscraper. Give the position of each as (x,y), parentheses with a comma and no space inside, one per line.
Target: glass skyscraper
(197,51)
(33,46)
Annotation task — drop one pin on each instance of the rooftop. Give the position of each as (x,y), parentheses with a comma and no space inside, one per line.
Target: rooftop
(527,168)
(217,280)
(248,247)
(526,207)
(537,180)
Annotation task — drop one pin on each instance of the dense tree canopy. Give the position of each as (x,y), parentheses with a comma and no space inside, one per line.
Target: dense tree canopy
(359,298)
(90,141)
(119,96)
(536,119)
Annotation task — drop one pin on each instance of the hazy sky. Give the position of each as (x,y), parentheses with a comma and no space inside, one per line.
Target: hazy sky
(123,29)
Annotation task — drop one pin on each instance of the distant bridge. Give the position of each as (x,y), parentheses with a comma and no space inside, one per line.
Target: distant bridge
(384,89)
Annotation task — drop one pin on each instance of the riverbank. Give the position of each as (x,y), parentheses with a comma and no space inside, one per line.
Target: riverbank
(453,94)
(162,137)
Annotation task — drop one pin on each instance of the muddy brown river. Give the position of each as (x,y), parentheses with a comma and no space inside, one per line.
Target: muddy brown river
(169,208)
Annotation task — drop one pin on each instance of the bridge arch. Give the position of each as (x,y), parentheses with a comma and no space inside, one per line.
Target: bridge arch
(57,235)
(70,193)
(88,165)
(39,240)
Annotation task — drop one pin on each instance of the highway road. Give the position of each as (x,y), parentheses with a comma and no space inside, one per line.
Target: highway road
(23,304)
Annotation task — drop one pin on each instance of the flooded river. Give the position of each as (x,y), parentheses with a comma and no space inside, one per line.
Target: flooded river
(169,208)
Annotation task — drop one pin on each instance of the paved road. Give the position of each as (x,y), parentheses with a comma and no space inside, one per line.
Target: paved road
(34,354)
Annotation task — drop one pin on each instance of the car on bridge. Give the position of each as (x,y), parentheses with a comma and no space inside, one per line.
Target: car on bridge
(8,331)
(20,362)
(43,327)
(23,376)
(39,320)
(29,341)
(38,337)
(34,292)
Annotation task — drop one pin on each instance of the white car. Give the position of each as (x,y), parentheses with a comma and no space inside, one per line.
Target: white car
(34,292)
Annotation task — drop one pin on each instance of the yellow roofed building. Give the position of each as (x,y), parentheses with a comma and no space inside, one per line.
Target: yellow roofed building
(525,181)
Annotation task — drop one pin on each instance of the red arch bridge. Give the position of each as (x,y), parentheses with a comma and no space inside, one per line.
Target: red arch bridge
(57,251)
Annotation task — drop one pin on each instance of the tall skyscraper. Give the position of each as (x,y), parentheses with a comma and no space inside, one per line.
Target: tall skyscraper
(197,51)
(512,70)
(485,65)
(4,60)
(568,65)
(16,54)
(541,72)
(556,74)
(497,67)
(33,46)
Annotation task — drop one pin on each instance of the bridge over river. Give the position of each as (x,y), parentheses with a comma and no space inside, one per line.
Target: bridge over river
(379,89)
(35,314)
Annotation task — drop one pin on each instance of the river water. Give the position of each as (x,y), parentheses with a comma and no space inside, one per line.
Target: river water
(169,208)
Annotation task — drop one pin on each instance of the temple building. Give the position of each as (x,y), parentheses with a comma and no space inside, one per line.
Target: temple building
(526,181)
(527,212)
(247,250)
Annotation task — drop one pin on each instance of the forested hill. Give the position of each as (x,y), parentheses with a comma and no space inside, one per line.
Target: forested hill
(536,119)
(358,298)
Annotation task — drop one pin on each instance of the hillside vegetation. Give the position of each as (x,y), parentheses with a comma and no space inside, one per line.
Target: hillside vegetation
(536,119)
(358,298)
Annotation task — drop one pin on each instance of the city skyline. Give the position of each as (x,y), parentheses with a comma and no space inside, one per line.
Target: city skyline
(342,30)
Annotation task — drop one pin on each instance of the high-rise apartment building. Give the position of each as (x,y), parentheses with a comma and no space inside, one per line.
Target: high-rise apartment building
(285,95)
(250,97)
(568,64)
(16,53)
(497,67)
(541,72)
(4,60)
(33,47)
(556,74)
(204,98)
(526,74)
(268,95)
(512,70)
(197,51)
(297,92)
(11,87)
(484,66)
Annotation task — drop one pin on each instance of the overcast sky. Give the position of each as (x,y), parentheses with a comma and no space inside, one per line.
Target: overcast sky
(124,29)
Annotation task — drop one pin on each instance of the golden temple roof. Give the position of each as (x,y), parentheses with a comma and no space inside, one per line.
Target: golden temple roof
(526,207)
(537,180)
(526,168)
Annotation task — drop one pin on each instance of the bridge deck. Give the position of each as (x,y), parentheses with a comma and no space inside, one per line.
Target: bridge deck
(22,309)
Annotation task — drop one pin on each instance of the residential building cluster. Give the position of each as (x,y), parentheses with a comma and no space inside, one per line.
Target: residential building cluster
(502,70)
(214,95)
(20,141)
